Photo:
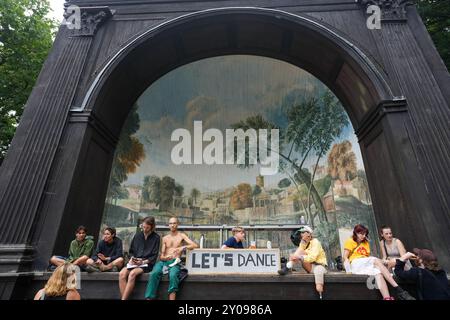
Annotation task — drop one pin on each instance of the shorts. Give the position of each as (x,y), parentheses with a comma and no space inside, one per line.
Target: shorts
(365,266)
(146,269)
(62,258)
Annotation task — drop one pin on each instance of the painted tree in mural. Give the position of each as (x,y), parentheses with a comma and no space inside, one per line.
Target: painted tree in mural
(167,193)
(195,194)
(342,164)
(129,155)
(151,190)
(312,124)
(178,194)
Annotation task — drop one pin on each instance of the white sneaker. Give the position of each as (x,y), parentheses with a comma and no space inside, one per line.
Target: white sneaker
(177,261)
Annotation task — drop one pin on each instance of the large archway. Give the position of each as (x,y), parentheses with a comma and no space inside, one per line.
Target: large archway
(301,41)
(342,66)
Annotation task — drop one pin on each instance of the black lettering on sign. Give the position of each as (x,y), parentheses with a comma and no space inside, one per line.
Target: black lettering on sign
(241,260)
(228,260)
(194,265)
(215,256)
(250,258)
(273,260)
(260,259)
(205,261)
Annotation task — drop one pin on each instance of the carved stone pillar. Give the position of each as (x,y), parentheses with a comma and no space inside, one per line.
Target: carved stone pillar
(24,173)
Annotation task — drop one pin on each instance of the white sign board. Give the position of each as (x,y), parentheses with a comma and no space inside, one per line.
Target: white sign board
(227,261)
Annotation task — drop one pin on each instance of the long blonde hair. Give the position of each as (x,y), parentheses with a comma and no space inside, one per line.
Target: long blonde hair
(61,281)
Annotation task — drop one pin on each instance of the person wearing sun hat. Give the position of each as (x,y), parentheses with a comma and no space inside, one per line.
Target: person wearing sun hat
(311,256)
(430,279)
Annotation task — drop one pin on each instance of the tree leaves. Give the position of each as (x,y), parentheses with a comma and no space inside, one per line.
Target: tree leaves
(26,36)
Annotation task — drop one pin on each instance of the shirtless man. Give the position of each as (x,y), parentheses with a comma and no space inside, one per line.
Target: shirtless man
(173,245)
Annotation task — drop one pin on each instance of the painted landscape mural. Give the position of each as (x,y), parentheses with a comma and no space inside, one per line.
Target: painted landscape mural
(320,180)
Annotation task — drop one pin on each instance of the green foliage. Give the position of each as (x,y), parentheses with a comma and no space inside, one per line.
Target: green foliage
(129,153)
(436,17)
(167,193)
(323,185)
(26,36)
(151,189)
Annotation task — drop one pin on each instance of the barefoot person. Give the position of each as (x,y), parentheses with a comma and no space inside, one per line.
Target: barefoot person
(312,257)
(173,246)
(79,251)
(357,253)
(108,256)
(144,251)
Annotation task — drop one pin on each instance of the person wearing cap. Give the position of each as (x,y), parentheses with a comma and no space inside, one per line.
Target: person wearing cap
(430,279)
(312,257)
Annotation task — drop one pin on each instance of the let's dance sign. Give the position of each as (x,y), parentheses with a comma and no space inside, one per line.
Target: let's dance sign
(217,261)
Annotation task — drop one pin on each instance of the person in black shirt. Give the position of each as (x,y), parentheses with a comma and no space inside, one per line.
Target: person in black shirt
(108,256)
(235,242)
(144,250)
(430,280)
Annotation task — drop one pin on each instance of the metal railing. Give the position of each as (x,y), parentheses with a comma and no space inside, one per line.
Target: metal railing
(224,229)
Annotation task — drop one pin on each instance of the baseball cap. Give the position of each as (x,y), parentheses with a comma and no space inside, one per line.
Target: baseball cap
(306,229)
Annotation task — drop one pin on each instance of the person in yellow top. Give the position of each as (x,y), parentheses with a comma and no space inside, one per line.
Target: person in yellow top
(357,258)
(312,257)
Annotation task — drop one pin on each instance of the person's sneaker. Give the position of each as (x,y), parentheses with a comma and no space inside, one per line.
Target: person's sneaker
(284,270)
(403,295)
(91,268)
(389,298)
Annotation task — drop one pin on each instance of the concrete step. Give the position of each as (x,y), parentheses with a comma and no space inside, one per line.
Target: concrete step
(294,286)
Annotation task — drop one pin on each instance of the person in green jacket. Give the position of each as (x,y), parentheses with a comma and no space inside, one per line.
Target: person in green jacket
(80,249)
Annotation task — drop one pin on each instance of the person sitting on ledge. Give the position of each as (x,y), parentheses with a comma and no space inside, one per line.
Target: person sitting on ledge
(430,279)
(235,242)
(61,285)
(391,249)
(171,251)
(312,257)
(358,260)
(79,252)
(108,256)
(144,251)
